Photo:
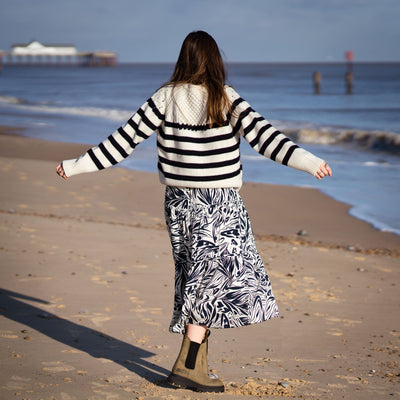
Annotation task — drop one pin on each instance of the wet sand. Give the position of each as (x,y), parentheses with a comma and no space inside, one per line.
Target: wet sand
(87,291)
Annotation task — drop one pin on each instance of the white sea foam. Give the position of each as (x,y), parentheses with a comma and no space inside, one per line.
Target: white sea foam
(360,213)
(98,112)
(10,100)
(368,140)
(307,133)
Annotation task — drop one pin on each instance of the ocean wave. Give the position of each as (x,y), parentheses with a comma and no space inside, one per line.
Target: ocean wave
(98,112)
(306,133)
(367,140)
(381,164)
(10,100)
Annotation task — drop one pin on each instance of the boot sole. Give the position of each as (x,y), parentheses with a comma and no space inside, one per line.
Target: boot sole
(180,381)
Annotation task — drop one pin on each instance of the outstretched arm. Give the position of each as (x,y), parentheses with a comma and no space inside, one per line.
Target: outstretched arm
(121,143)
(270,142)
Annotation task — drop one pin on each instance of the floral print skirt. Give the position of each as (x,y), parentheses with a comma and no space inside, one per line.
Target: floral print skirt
(220,279)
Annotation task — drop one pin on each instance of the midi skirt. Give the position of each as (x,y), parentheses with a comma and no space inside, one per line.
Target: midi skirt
(220,279)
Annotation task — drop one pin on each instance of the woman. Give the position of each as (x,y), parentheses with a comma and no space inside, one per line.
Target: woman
(220,280)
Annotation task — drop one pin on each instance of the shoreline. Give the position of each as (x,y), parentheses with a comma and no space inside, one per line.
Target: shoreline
(315,219)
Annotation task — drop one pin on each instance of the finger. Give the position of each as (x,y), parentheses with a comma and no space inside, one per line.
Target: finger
(328,169)
(324,170)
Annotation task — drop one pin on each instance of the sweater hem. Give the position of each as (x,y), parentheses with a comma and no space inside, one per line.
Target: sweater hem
(235,183)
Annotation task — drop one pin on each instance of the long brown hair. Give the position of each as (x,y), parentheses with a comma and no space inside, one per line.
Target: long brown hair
(200,63)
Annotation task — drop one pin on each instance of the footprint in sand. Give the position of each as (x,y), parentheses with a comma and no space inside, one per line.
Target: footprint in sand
(36,278)
(22,176)
(345,322)
(107,205)
(140,266)
(18,382)
(335,332)
(150,321)
(56,366)
(351,379)
(78,197)
(66,396)
(319,295)
(107,278)
(8,335)
(6,166)
(118,379)
(73,351)
(24,228)
(260,389)
(136,300)
(382,269)
(99,281)
(52,189)
(99,320)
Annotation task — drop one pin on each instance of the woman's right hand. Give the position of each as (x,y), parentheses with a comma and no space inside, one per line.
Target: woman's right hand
(61,172)
(323,170)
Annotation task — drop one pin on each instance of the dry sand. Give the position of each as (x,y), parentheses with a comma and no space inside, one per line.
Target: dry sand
(87,291)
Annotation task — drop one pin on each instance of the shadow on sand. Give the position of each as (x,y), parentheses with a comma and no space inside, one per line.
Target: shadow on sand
(90,341)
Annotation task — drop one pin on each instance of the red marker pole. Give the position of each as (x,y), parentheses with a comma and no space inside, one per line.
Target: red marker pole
(349,74)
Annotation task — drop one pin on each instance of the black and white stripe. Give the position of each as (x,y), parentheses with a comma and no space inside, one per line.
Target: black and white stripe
(191,153)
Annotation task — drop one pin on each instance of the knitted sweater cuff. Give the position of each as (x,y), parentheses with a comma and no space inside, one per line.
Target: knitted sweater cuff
(78,166)
(305,161)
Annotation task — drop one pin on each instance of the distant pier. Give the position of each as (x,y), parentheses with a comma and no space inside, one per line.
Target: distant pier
(38,54)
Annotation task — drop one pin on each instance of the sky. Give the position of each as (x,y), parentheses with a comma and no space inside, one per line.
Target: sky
(245,30)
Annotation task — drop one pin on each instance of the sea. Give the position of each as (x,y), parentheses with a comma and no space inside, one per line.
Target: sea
(358,133)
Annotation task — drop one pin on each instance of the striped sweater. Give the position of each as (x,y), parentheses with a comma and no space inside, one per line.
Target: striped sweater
(191,153)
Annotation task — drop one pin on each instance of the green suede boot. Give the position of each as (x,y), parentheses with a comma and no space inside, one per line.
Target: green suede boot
(191,368)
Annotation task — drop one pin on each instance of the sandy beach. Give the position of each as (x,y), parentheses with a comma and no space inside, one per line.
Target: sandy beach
(87,290)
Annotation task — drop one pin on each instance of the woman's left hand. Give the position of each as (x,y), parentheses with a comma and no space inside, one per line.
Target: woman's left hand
(60,171)
(323,170)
